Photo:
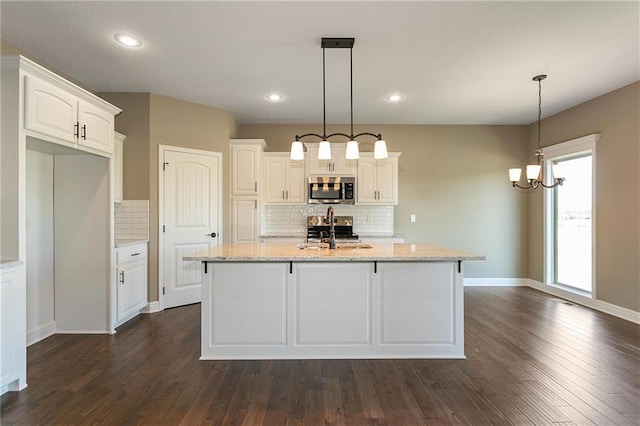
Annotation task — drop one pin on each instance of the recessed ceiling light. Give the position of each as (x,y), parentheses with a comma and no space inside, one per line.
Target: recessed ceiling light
(274,97)
(394,98)
(127,40)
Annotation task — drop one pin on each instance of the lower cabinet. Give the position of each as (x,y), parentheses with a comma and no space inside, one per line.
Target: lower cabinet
(13,329)
(131,275)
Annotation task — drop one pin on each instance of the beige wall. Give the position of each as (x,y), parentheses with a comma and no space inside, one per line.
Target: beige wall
(454,179)
(150,120)
(617,205)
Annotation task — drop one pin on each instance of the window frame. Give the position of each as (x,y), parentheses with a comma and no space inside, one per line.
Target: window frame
(575,148)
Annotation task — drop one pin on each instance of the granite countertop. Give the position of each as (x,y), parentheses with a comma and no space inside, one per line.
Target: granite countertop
(9,263)
(125,243)
(279,252)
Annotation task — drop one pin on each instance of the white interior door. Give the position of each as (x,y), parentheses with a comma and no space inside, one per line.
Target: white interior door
(191,219)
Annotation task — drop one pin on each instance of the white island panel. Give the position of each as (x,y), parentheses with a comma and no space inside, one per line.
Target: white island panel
(417,303)
(248,304)
(333,307)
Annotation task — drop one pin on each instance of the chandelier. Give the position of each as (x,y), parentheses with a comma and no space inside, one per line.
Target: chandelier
(324,148)
(534,172)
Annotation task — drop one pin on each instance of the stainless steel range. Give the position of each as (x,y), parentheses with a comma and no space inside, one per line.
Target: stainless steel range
(318,229)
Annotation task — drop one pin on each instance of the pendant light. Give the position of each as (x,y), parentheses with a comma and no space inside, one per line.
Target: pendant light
(534,172)
(324,148)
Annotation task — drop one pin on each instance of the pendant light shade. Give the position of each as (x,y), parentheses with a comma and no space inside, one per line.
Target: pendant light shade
(380,150)
(353,153)
(297,151)
(324,150)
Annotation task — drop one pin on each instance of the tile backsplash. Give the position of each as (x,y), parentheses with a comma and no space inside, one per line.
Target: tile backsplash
(291,220)
(132,220)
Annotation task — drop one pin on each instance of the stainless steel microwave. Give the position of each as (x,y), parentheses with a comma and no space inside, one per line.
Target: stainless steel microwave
(331,189)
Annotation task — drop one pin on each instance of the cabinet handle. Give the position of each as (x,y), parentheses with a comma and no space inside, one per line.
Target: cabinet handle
(255,204)
(135,254)
(84,132)
(255,186)
(283,194)
(76,130)
(122,277)
(287,194)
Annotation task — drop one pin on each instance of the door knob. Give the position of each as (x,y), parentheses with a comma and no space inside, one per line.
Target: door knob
(213,235)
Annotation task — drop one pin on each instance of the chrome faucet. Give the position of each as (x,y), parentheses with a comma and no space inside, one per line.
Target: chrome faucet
(332,229)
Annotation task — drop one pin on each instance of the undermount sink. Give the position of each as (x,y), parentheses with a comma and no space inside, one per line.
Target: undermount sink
(339,246)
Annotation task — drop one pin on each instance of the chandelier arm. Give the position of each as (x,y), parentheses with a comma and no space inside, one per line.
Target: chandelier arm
(298,137)
(516,185)
(379,136)
(557,182)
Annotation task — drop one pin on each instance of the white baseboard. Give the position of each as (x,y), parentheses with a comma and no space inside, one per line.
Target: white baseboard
(496,282)
(151,308)
(598,305)
(41,333)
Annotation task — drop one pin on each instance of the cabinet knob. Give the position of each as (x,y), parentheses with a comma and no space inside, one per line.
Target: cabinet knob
(213,235)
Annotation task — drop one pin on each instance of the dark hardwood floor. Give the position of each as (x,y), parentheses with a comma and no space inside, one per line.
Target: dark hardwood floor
(531,359)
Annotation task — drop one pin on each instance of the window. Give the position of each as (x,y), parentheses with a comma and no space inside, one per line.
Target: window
(569,216)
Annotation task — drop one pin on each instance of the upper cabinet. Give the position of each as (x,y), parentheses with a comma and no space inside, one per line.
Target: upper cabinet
(284,179)
(117,175)
(246,165)
(61,112)
(377,179)
(338,165)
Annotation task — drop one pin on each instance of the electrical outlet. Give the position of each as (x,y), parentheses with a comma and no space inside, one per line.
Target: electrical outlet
(413,218)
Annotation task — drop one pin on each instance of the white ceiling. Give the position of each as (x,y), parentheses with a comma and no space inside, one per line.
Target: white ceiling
(455,62)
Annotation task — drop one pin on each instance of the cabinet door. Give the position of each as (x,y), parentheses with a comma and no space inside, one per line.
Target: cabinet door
(132,288)
(96,127)
(341,166)
(50,110)
(9,327)
(296,182)
(366,188)
(245,168)
(387,180)
(315,166)
(244,225)
(275,177)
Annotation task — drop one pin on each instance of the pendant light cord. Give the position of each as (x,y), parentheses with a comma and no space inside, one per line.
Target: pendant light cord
(324,102)
(351,82)
(539,111)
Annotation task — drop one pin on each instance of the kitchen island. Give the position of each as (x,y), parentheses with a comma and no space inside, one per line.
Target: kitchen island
(285,301)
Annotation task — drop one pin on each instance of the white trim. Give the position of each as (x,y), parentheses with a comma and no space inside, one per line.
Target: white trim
(598,305)
(161,151)
(151,308)
(562,151)
(496,282)
(41,333)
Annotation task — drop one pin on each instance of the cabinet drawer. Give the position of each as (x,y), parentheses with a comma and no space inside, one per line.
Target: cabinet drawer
(129,254)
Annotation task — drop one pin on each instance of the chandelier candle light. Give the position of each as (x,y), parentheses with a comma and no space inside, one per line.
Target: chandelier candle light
(324,148)
(534,172)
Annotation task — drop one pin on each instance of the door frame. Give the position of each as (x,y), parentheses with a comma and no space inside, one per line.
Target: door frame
(161,151)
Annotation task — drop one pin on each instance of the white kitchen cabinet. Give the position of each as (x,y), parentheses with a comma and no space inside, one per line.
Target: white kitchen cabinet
(246,165)
(284,179)
(13,329)
(338,165)
(245,219)
(55,110)
(377,179)
(117,174)
(131,275)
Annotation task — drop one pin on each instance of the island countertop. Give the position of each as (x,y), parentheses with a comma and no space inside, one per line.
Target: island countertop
(380,252)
